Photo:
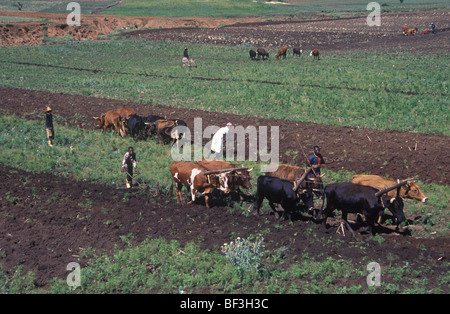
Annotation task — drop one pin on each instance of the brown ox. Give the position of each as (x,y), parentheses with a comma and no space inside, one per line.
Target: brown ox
(125,112)
(236,179)
(163,129)
(409,190)
(115,118)
(110,119)
(191,175)
(411,32)
(293,173)
(281,52)
(261,52)
(315,53)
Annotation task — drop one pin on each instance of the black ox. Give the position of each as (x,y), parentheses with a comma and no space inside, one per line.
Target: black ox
(354,198)
(281,192)
(135,126)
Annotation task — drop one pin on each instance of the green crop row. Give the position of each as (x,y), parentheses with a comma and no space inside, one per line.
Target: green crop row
(376,90)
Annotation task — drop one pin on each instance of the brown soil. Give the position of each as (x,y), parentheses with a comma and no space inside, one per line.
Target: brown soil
(49,221)
(327,35)
(92,26)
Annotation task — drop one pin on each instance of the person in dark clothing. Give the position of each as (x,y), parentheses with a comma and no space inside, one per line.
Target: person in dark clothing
(185,54)
(315,160)
(49,126)
(128,165)
(433,28)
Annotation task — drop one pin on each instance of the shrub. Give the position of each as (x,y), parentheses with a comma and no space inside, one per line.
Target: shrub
(244,254)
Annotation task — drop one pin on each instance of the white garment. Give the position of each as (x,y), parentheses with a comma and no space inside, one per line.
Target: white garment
(216,143)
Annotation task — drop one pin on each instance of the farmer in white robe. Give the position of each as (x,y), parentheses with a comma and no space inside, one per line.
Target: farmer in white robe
(217,141)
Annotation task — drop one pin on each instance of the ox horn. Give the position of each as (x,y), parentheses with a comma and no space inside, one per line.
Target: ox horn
(96,118)
(392,200)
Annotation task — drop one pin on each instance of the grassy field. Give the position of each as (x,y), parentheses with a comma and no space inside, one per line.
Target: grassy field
(379,91)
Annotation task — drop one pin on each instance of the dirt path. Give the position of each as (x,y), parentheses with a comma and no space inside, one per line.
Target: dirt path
(394,154)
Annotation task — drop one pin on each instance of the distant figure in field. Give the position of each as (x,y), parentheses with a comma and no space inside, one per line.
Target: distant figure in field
(49,126)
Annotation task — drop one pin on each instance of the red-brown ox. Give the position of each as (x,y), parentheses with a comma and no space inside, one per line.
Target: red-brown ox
(409,190)
(114,118)
(412,31)
(315,53)
(125,112)
(236,179)
(293,173)
(110,119)
(281,52)
(191,175)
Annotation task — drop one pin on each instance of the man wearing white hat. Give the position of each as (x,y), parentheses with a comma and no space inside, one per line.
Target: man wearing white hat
(49,126)
(217,141)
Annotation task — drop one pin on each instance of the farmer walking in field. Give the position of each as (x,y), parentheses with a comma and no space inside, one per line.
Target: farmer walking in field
(128,165)
(49,126)
(217,141)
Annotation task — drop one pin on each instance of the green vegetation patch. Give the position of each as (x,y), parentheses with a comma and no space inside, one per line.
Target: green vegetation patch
(375,90)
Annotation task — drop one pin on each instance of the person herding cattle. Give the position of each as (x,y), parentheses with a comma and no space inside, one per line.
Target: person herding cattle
(217,141)
(128,165)
(49,126)
(315,160)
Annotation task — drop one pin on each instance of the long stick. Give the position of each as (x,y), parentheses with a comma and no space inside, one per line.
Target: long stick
(381,192)
(224,170)
(304,154)
(132,177)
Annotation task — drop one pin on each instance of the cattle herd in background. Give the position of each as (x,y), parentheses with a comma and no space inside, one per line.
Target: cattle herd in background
(289,189)
(126,121)
(282,52)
